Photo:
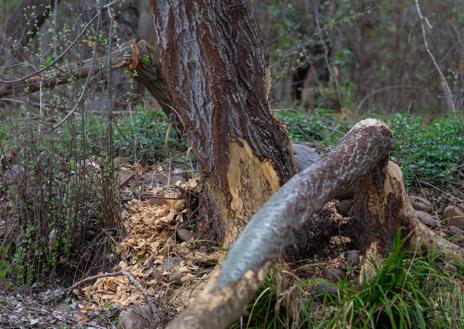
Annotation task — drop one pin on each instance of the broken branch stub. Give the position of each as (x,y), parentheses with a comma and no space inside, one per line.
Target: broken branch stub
(272,228)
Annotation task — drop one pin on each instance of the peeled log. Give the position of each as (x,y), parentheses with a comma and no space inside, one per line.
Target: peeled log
(273,227)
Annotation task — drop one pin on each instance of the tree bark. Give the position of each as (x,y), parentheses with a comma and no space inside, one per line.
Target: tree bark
(214,65)
(273,227)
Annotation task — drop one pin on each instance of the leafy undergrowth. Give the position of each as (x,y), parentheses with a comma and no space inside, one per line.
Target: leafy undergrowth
(408,290)
(430,154)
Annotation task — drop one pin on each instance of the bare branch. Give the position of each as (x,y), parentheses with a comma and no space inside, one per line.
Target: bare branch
(68,48)
(446,88)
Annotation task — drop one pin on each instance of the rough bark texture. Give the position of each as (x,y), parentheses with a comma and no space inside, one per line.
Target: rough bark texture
(136,56)
(272,228)
(214,64)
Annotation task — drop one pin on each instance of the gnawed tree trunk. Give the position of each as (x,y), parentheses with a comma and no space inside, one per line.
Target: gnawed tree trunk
(381,207)
(214,65)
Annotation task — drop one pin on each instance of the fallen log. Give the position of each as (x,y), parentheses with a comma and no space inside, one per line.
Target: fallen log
(136,56)
(381,206)
(272,228)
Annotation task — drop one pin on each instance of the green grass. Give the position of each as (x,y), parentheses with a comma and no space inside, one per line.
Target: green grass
(319,125)
(431,153)
(408,290)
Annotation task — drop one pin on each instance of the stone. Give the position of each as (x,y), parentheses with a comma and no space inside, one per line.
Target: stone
(352,256)
(450,268)
(455,216)
(13,174)
(418,198)
(459,240)
(334,274)
(185,235)
(454,230)
(170,262)
(137,317)
(426,218)
(322,289)
(304,156)
(344,207)
(420,203)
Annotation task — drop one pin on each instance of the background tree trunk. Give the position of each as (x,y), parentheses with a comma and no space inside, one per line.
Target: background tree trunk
(214,64)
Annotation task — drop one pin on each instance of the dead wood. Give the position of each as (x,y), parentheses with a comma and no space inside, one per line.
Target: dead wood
(381,207)
(273,227)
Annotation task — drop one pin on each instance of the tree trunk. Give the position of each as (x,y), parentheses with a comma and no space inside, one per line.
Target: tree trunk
(215,68)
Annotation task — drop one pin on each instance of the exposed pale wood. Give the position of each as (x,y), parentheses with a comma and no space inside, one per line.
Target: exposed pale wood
(214,63)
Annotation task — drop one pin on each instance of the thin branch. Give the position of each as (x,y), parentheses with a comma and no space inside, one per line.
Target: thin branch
(70,46)
(87,80)
(424,21)
(326,53)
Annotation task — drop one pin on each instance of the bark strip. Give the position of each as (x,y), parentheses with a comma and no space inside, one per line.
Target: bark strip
(273,227)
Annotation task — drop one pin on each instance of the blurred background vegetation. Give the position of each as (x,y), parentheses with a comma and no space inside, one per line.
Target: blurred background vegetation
(332,63)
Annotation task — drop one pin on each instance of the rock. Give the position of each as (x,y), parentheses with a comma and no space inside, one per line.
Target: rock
(13,174)
(418,198)
(352,256)
(422,207)
(322,289)
(454,230)
(334,274)
(170,262)
(344,207)
(450,268)
(455,216)
(185,235)
(459,240)
(304,156)
(422,203)
(137,317)
(426,218)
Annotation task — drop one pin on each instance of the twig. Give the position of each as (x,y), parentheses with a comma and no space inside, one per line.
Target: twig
(71,45)
(87,80)
(424,21)
(380,90)
(326,54)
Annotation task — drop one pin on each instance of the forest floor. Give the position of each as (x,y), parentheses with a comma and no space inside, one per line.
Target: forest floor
(160,253)
(158,258)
